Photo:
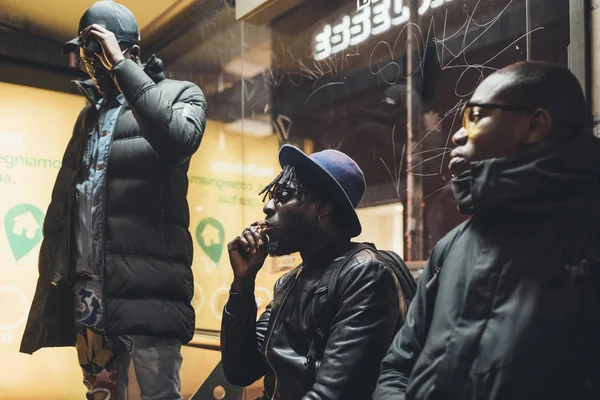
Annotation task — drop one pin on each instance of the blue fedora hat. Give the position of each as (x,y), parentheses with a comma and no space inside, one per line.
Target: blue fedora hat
(337,172)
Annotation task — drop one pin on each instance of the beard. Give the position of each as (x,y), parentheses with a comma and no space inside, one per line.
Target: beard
(283,243)
(105,85)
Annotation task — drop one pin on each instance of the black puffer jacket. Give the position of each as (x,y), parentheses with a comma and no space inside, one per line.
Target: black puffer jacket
(148,283)
(514,312)
(365,313)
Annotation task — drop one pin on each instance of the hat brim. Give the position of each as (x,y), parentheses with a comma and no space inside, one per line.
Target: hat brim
(291,155)
(75,44)
(72,45)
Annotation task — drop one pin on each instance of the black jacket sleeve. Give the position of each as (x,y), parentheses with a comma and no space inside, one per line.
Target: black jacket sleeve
(408,343)
(174,130)
(406,348)
(361,331)
(242,338)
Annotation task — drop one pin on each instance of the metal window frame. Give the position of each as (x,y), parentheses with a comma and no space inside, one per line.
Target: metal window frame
(579,47)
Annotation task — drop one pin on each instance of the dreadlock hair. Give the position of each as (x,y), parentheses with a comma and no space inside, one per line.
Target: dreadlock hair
(285,177)
(306,186)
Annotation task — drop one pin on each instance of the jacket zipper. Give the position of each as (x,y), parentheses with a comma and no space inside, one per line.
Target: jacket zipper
(104,207)
(67,250)
(67,224)
(273,328)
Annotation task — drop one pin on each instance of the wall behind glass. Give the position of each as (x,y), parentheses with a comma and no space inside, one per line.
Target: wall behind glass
(237,157)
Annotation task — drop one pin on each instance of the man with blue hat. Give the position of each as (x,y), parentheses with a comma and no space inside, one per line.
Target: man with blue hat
(325,332)
(115,264)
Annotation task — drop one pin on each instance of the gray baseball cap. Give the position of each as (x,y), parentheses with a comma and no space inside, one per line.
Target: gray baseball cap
(114,17)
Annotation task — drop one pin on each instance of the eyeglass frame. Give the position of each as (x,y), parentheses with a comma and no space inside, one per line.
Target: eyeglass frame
(273,193)
(574,125)
(491,106)
(294,193)
(83,62)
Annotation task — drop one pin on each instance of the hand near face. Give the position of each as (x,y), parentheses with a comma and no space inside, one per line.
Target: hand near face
(248,251)
(431,121)
(111,51)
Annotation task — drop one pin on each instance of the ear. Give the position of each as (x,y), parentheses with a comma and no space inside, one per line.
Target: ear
(324,209)
(136,54)
(539,126)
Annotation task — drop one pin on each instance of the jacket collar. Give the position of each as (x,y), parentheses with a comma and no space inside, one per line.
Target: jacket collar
(326,254)
(539,181)
(154,68)
(120,99)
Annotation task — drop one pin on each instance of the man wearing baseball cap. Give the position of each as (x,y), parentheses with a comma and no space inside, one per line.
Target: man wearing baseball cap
(115,264)
(331,319)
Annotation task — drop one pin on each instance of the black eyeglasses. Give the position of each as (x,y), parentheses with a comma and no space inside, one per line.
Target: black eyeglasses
(282,194)
(469,117)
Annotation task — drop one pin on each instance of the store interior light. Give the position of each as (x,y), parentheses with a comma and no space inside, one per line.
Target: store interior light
(251,127)
(244,68)
(255,59)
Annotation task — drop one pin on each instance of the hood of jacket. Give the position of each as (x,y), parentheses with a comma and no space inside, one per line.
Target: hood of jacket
(538,181)
(154,68)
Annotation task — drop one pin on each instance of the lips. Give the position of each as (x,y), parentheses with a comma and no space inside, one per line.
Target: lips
(457,162)
(267,227)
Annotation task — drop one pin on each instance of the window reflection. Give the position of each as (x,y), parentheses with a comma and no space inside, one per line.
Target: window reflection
(329,75)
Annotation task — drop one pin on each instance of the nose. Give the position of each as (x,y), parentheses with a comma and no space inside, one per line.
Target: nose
(269,208)
(460,137)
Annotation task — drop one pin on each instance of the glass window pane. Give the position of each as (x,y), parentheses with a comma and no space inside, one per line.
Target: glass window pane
(326,75)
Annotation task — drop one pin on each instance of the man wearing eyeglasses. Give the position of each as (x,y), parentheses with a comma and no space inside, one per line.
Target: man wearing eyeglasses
(115,264)
(508,305)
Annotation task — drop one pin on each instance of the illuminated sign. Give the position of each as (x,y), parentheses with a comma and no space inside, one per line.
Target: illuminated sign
(360,4)
(373,18)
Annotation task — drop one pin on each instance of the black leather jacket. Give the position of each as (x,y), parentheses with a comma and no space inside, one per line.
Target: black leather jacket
(366,314)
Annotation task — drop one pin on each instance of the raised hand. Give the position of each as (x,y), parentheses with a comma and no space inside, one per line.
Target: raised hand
(111,51)
(248,251)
